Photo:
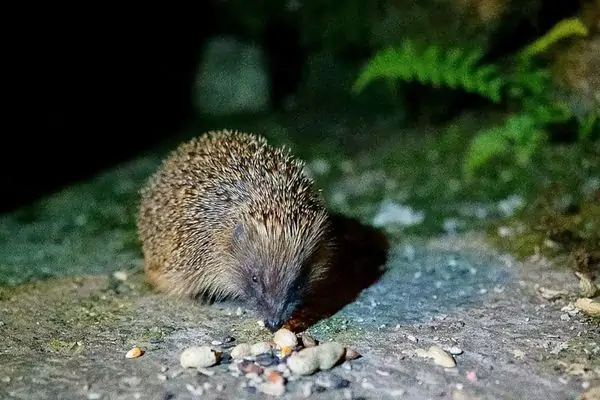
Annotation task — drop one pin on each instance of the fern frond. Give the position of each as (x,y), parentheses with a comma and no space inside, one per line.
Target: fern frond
(454,68)
(521,133)
(564,28)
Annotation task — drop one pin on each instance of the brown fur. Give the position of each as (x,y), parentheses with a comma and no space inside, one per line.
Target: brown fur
(225,207)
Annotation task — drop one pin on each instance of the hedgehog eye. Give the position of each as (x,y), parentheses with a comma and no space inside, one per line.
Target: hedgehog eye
(254,278)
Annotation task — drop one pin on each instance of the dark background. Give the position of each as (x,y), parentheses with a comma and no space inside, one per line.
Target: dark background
(85,89)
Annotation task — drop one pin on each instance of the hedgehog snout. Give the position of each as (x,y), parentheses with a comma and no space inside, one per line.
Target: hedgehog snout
(273,324)
(279,314)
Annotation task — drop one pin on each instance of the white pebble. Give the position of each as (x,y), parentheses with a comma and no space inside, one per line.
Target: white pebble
(216,343)
(329,354)
(239,312)
(285,338)
(412,338)
(272,388)
(305,362)
(367,385)
(260,348)
(120,275)
(347,366)
(207,385)
(306,389)
(308,360)
(195,391)
(206,372)
(454,350)
(198,357)
(285,371)
(439,356)
(382,372)
(241,350)
(397,392)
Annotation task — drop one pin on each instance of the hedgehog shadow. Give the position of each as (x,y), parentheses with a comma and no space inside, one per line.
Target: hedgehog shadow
(359,263)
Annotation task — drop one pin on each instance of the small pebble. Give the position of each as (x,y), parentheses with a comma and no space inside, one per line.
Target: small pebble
(206,372)
(367,385)
(305,362)
(176,373)
(261,323)
(272,389)
(120,276)
(471,376)
(241,350)
(352,354)
(589,306)
(286,351)
(239,311)
(207,386)
(260,348)
(347,366)
(382,372)
(229,339)
(219,387)
(285,338)
(164,368)
(308,360)
(329,354)
(156,341)
(198,357)
(253,376)
(162,377)
(216,343)
(249,367)
(333,381)
(308,340)
(455,351)
(274,377)
(412,338)
(195,391)
(135,352)
(397,392)
(306,389)
(6,379)
(266,360)
(320,389)
(440,356)
(94,396)
(285,371)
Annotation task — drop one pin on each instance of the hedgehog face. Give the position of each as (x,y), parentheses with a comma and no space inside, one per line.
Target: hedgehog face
(276,296)
(275,269)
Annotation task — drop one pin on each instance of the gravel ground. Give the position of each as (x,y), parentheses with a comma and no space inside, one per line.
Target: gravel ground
(67,337)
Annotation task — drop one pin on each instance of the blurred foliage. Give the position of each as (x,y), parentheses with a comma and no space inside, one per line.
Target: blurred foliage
(566,28)
(522,85)
(455,68)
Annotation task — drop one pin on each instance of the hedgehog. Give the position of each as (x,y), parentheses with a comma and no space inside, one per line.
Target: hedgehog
(227,215)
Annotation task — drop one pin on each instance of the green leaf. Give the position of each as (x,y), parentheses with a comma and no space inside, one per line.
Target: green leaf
(483,147)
